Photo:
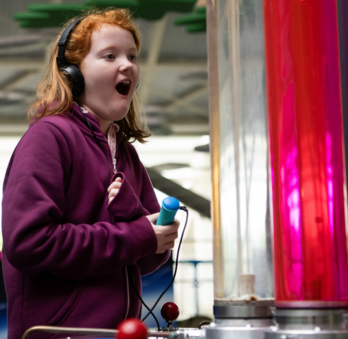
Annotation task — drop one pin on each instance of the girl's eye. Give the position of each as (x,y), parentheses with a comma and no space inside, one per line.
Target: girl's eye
(133,57)
(109,56)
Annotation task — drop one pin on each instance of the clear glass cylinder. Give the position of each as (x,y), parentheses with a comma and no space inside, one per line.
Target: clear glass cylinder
(306,142)
(241,199)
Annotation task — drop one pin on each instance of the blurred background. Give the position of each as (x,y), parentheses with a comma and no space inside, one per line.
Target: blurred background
(173,90)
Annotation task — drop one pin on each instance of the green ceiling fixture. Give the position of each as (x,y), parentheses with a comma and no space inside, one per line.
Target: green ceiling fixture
(147,9)
(48,15)
(55,15)
(195,22)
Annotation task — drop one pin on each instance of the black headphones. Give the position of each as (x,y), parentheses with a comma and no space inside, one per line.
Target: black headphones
(76,78)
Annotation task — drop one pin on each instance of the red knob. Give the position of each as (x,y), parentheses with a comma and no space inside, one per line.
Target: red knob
(170,311)
(131,329)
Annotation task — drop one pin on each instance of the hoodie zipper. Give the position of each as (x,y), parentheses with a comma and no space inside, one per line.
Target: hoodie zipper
(128,297)
(112,217)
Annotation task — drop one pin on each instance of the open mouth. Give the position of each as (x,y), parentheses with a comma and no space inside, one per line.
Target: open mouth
(123,87)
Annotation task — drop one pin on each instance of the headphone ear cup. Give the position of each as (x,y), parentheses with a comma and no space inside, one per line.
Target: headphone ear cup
(76,79)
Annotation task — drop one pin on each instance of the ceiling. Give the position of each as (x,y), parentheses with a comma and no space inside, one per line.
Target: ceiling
(173,80)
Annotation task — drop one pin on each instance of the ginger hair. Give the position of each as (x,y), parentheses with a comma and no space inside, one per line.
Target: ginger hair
(54,94)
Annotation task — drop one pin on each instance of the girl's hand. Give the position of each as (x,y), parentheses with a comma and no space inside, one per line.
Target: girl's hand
(114,188)
(165,235)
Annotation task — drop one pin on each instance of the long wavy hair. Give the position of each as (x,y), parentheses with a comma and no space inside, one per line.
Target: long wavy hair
(54,93)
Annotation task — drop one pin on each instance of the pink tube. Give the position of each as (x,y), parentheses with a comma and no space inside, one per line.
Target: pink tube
(306,143)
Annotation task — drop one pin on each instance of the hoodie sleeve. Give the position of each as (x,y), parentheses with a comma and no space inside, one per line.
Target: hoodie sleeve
(39,236)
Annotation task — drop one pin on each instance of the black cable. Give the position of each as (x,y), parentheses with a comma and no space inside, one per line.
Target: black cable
(142,301)
(204,322)
(176,263)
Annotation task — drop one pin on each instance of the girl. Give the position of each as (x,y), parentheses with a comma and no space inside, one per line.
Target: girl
(78,206)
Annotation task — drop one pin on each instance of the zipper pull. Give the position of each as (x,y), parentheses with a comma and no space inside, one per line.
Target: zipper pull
(115,170)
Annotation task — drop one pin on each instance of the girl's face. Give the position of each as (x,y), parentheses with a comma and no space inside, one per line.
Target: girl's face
(111,74)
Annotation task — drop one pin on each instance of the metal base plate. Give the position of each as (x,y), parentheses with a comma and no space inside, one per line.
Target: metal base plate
(234,332)
(308,324)
(240,319)
(302,334)
(242,309)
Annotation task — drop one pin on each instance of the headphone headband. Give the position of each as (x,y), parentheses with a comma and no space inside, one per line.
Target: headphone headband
(61,62)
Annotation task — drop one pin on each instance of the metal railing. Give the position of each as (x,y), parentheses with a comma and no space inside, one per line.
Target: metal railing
(84,331)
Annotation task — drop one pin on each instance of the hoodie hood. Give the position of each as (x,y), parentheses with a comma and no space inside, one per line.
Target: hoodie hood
(78,117)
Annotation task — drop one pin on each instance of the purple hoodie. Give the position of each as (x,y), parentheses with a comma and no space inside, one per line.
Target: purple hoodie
(66,251)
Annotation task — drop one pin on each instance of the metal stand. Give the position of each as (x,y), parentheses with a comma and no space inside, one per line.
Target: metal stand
(313,323)
(240,319)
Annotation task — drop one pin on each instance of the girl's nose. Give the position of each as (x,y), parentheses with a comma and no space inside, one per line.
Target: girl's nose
(125,65)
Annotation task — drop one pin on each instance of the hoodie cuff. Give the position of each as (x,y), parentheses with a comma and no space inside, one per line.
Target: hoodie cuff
(145,237)
(126,205)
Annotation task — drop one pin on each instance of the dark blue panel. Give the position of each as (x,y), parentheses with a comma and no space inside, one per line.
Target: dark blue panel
(153,286)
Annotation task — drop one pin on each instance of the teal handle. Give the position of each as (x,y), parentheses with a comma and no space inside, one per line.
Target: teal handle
(168,211)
